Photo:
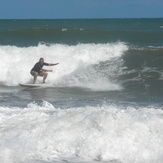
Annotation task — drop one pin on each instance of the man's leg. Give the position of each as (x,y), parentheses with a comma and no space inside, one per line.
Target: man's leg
(45,76)
(35,77)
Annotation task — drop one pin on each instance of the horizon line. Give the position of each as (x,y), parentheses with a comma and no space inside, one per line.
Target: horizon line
(75,18)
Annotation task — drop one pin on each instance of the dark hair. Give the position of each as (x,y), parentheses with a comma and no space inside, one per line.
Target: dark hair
(42,59)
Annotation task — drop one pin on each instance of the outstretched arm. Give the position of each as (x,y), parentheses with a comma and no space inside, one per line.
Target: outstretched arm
(45,70)
(53,64)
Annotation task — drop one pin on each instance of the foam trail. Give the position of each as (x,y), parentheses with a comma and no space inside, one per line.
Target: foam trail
(104,133)
(16,63)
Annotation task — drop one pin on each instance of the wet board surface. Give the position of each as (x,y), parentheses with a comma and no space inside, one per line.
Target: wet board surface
(32,85)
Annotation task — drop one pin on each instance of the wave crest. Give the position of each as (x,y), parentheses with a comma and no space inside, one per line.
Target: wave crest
(82,65)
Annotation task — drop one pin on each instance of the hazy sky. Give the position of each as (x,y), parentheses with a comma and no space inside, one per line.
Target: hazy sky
(56,9)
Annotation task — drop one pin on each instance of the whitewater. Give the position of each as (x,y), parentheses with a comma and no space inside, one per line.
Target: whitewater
(75,68)
(44,134)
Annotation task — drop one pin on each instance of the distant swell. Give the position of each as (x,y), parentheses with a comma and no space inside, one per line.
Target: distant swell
(142,32)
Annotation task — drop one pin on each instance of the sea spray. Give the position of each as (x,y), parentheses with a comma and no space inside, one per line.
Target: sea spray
(77,64)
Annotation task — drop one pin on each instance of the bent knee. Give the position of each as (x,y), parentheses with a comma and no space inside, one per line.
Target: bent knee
(45,73)
(36,74)
(33,73)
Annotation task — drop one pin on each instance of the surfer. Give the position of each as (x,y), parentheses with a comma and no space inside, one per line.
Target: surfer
(38,71)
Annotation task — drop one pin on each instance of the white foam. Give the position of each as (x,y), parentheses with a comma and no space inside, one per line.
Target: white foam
(76,64)
(64,29)
(105,133)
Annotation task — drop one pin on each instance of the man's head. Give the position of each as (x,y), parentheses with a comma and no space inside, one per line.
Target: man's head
(41,60)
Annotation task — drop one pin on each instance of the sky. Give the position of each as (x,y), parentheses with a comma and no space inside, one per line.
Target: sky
(72,9)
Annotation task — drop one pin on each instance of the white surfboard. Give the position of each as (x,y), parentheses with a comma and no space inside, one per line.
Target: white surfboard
(32,85)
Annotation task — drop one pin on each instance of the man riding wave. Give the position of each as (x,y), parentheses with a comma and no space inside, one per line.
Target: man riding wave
(37,70)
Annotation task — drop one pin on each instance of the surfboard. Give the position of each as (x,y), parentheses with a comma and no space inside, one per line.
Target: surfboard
(32,85)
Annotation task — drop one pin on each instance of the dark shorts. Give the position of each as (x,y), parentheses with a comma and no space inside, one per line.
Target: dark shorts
(39,74)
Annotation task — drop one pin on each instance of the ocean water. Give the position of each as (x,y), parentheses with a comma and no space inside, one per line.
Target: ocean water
(102,103)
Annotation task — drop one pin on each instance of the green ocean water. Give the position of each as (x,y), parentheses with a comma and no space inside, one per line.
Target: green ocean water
(145,32)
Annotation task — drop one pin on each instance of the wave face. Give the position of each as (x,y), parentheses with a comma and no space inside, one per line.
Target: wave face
(111,66)
(43,133)
(133,71)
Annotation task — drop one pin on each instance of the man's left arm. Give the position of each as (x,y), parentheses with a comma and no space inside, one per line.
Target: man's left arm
(53,64)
